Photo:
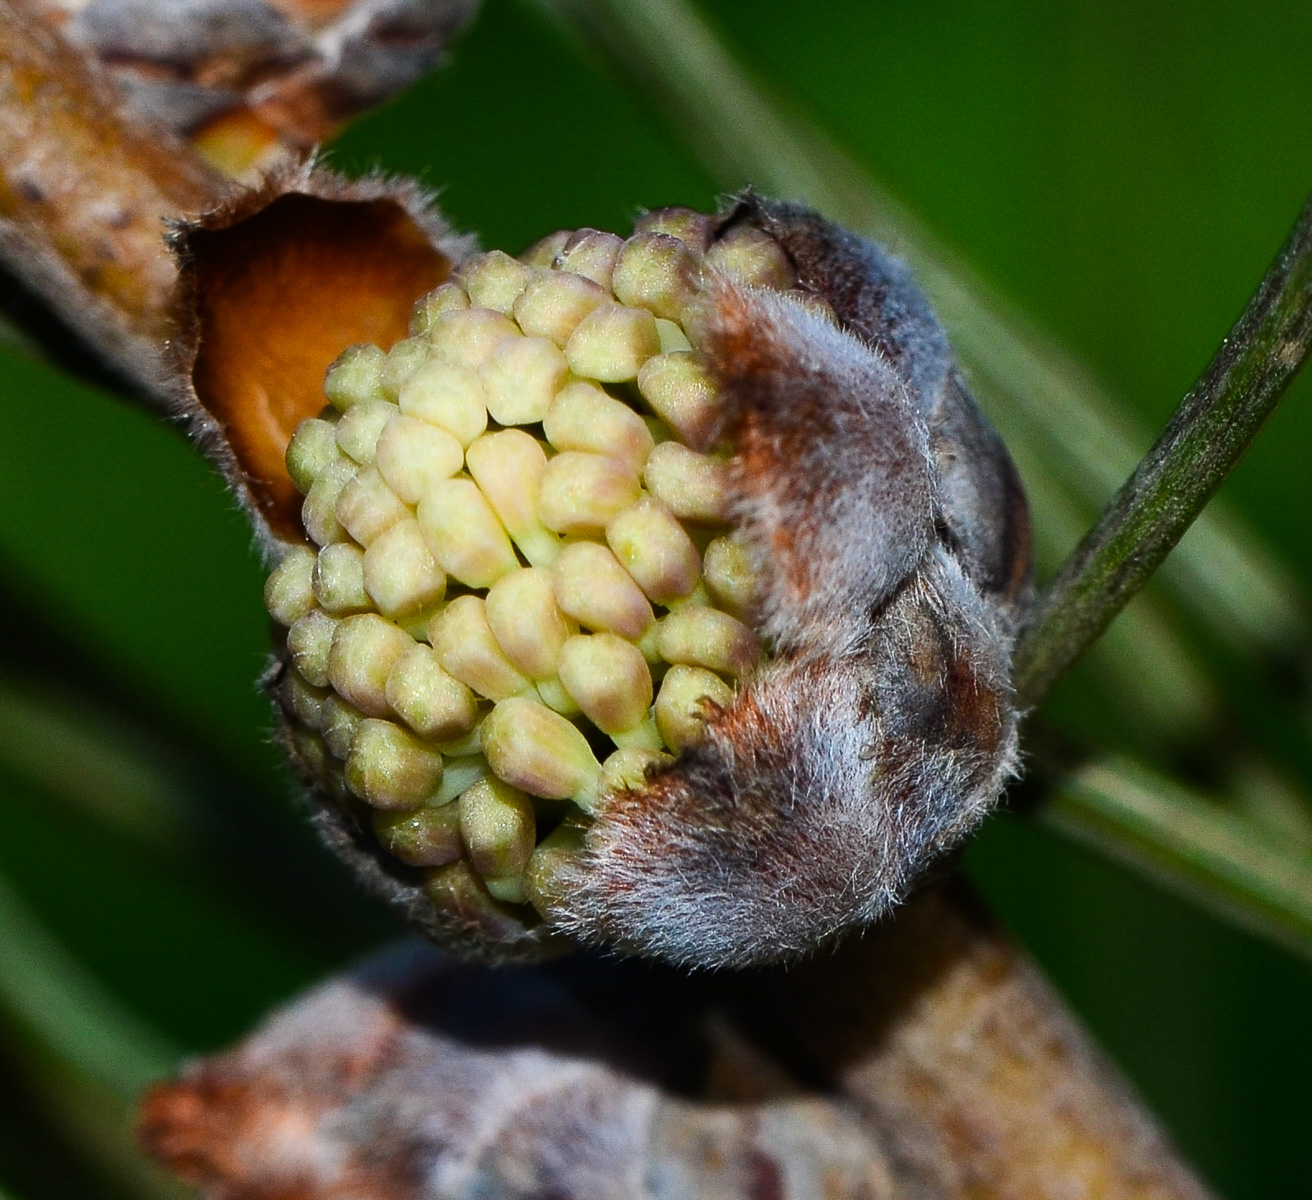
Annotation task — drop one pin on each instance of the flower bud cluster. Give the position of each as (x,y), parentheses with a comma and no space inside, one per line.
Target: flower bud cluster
(524,591)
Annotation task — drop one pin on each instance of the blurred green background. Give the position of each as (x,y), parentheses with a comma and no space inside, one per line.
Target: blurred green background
(1122,172)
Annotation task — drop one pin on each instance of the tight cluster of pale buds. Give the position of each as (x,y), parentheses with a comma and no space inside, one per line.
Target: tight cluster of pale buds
(524,590)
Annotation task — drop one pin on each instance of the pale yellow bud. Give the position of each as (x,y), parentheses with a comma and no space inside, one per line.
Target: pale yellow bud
(583,417)
(596,591)
(467,648)
(493,280)
(545,879)
(464,534)
(707,637)
(691,485)
(753,257)
(498,828)
(688,225)
(400,573)
(553,304)
(537,750)
(289,590)
(655,549)
(609,679)
(527,622)
(309,642)
(627,769)
(520,377)
(731,575)
(338,722)
(681,710)
(365,649)
(508,467)
(581,492)
(611,343)
(681,393)
(403,360)
(673,339)
(302,700)
(367,506)
(358,430)
(319,512)
(390,768)
(448,396)
(591,254)
(467,338)
(413,455)
(543,252)
(312,449)
(355,376)
(657,272)
(428,698)
(424,837)
(339,579)
(449,297)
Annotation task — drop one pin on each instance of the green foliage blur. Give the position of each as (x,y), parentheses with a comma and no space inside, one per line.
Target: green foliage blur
(1123,172)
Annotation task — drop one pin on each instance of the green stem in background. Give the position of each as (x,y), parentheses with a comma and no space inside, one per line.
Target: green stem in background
(1199,447)
(1223,861)
(1037,395)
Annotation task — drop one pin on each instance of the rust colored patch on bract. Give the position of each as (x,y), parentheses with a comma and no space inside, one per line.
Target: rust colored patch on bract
(277,294)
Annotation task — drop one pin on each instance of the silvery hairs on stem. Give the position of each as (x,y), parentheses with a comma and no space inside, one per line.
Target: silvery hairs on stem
(654,593)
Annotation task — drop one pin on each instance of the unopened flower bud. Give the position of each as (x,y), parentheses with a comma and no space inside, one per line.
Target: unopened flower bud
(390,768)
(367,507)
(449,297)
(400,573)
(554,303)
(581,492)
(655,549)
(590,253)
(608,678)
(611,343)
(464,534)
(584,417)
(706,637)
(659,273)
(358,430)
(527,622)
(421,837)
(691,485)
(403,360)
(680,392)
(312,449)
(289,592)
(355,378)
(413,455)
(598,593)
(468,649)
(493,280)
(468,337)
(339,580)
(498,828)
(731,576)
(537,750)
(428,698)
(508,467)
(449,396)
(365,649)
(682,704)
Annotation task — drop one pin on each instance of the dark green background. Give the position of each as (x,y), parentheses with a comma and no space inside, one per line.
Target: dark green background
(1124,172)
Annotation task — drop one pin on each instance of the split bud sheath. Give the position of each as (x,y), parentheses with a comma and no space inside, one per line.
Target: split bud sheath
(654,593)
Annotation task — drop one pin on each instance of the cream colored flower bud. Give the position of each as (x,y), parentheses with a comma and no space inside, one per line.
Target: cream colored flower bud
(655,549)
(691,485)
(545,883)
(390,768)
(468,649)
(413,455)
(467,338)
(527,622)
(596,591)
(582,492)
(289,590)
(612,342)
(464,534)
(367,507)
(681,704)
(543,252)
(583,417)
(706,637)
(449,297)
(309,642)
(520,378)
(448,396)
(456,889)
(428,698)
(300,699)
(339,579)
(508,467)
(355,376)
(403,360)
(689,226)
(423,837)
(338,722)
(657,272)
(590,253)
(498,828)
(365,649)
(752,257)
(358,430)
(311,451)
(627,769)
(400,573)
(553,304)
(537,750)
(609,679)
(493,280)
(731,575)
(681,393)
(319,512)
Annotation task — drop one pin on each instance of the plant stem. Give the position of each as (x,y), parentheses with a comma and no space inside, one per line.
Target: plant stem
(1200,445)
(1223,861)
